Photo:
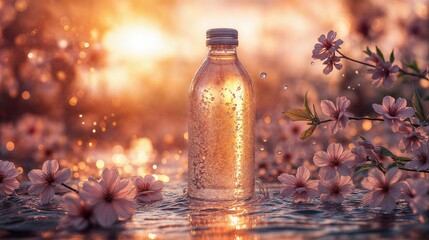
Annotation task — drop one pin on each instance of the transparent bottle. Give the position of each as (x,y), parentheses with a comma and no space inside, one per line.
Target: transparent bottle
(221,126)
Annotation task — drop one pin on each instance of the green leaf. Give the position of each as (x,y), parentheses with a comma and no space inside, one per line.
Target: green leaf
(392,56)
(386,152)
(298,115)
(308,132)
(414,66)
(418,106)
(379,53)
(363,168)
(307,108)
(368,51)
(315,113)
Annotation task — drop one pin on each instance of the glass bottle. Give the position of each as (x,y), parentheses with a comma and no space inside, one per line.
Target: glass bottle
(221,125)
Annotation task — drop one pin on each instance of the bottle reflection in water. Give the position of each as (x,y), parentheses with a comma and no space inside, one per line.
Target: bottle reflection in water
(221,124)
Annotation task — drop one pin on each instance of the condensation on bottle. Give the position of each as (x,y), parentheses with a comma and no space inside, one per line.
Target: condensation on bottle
(221,126)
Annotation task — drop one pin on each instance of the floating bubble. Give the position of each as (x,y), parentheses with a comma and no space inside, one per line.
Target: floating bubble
(264,140)
(358,84)
(357,72)
(279,152)
(312,63)
(348,87)
(343,75)
(262,148)
(263,75)
(285,87)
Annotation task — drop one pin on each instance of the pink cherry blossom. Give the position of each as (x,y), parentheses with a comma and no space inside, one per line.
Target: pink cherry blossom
(45,180)
(148,189)
(420,159)
(394,111)
(336,159)
(331,62)
(337,112)
(326,46)
(384,189)
(299,187)
(111,198)
(336,189)
(363,152)
(415,192)
(8,174)
(383,72)
(414,137)
(79,215)
(411,188)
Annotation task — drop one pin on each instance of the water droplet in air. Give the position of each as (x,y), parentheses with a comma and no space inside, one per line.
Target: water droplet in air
(263,75)
(312,63)
(212,98)
(264,140)
(357,72)
(285,87)
(238,88)
(279,152)
(313,142)
(343,75)
(358,84)
(348,87)
(262,148)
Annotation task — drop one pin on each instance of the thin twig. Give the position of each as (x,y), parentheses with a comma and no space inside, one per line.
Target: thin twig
(354,60)
(74,190)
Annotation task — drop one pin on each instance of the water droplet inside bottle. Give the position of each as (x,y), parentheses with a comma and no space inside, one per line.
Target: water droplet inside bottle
(262,148)
(263,75)
(285,87)
(279,152)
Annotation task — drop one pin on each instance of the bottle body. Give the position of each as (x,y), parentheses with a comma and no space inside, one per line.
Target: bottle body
(221,129)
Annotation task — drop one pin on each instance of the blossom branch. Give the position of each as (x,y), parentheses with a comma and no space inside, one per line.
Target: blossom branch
(354,60)
(351,118)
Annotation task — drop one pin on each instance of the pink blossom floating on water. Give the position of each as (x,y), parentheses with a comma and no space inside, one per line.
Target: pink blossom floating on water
(79,215)
(299,187)
(45,180)
(335,160)
(337,112)
(148,189)
(394,111)
(111,198)
(385,190)
(8,174)
(334,190)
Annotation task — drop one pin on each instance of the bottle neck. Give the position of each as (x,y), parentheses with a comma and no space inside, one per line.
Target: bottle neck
(222,50)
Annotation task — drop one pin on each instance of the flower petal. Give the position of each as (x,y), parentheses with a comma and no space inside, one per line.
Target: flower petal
(302,174)
(105,214)
(36,176)
(62,176)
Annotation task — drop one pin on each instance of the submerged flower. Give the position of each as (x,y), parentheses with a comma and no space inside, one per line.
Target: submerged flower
(45,180)
(336,189)
(8,174)
(326,46)
(331,62)
(394,112)
(79,214)
(420,159)
(148,189)
(111,198)
(384,189)
(298,186)
(383,72)
(337,112)
(336,159)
